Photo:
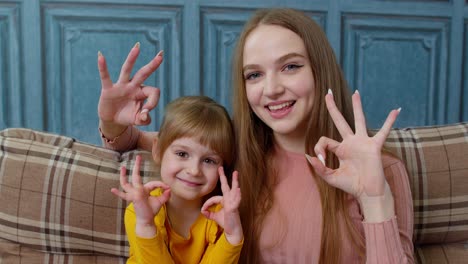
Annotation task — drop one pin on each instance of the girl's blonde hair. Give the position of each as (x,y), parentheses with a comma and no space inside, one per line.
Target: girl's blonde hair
(200,118)
(255,138)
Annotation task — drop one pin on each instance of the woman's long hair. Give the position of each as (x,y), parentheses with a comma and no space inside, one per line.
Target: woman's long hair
(255,138)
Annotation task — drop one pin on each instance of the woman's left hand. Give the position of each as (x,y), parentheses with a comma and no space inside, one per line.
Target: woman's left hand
(228,217)
(360,172)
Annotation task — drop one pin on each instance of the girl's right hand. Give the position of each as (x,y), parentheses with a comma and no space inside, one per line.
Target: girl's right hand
(146,206)
(122,104)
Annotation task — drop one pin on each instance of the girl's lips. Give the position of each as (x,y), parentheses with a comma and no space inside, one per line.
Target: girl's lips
(189,183)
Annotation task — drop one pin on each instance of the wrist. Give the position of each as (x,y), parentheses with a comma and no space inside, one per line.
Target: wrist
(377,209)
(111,130)
(145,229)
(235,238)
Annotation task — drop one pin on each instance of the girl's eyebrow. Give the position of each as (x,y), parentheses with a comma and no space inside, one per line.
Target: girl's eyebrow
(278,61)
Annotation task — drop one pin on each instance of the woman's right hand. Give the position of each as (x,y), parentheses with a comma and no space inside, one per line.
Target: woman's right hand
(146,206)
(122,103)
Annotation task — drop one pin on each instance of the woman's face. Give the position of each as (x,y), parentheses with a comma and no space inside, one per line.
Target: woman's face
(278,78)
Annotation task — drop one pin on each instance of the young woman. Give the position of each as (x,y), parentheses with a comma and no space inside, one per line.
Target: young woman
(349,201)
(177,220)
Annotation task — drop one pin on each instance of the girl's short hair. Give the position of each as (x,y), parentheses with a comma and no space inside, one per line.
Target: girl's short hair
(203,119)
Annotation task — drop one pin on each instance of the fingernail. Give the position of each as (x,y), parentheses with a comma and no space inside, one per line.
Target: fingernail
(160,53)
(144,111)
(99,53)
(309,158)
(330,91)
(356,92)
(399,110)
(137,45)
(320,157)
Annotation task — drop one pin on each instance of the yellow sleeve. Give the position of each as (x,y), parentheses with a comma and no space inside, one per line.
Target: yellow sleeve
(143,250)
(222,252)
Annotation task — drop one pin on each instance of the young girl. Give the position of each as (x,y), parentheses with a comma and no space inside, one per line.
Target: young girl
(348,202)
(164,223)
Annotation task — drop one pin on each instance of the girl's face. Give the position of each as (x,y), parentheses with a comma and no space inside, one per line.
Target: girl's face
(190,169)
(279,82)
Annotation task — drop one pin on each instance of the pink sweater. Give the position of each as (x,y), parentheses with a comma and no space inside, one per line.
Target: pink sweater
(292,229)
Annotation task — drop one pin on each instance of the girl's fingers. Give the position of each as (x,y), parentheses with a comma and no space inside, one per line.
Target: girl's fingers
(382,135)
(359,118)
(235,180)
(106,81)
(123,179)
(212,201)
(156,184)
(136,179)
(118,193)
(337,117)
(142,74)
(224,184)
(129,63)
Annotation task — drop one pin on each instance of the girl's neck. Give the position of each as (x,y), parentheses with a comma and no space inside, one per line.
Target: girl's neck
(182,214)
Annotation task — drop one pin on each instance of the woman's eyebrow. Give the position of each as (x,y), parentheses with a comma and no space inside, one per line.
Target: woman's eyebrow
(278,61)
(289,55)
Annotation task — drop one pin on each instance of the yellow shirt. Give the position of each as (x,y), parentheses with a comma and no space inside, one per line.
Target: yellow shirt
(206,243)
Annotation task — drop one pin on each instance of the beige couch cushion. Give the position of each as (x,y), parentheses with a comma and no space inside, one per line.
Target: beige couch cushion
(437,163)
(56,197)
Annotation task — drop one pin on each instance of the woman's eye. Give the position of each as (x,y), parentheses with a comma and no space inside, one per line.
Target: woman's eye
(252,76)
(291,67)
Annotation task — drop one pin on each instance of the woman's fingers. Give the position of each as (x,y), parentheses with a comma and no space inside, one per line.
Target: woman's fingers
(324,144)
(152,94)
(382,135)
(106,81)
(359,118)
(127,67)
(337,117)
(142,74)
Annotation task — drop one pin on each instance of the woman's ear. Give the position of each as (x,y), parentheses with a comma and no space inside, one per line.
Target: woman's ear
(155,151)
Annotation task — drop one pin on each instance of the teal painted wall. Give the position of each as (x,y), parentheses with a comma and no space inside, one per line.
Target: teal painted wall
(408,54)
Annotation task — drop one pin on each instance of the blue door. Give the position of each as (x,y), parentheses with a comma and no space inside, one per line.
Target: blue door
(408,54)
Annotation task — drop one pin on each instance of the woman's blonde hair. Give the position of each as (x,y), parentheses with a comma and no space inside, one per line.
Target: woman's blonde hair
(255,138)
(202,119)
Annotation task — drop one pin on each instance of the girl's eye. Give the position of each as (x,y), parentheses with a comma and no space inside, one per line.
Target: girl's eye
(182,154)
(210,161)
(291,67)
(252,76)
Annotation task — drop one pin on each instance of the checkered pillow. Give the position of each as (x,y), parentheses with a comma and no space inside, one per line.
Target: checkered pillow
(437,162)
(56,197)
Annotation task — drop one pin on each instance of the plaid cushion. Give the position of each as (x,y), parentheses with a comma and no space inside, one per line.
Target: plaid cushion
(437,162)
(56,197)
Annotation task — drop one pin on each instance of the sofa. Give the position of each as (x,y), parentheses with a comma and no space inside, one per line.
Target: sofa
(56,204)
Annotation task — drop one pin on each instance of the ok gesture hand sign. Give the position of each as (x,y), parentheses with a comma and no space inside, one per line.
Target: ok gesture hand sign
(228,217)
(360,172)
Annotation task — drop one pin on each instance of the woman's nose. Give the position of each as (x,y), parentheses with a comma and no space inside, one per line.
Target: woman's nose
(273,86)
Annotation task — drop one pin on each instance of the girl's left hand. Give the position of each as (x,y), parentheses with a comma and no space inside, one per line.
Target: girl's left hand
(360,172)
(228,217)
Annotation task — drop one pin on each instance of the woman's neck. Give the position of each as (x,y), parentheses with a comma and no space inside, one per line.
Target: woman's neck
(291,142)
